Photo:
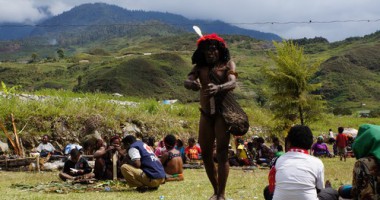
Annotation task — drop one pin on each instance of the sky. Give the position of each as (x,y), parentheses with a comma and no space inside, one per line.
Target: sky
(334,20)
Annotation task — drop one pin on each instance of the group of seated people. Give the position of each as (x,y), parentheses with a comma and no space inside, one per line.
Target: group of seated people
(188,154)
(306,179)
(133,161)
(255,152)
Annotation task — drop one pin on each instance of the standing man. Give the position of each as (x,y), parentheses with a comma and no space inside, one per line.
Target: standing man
(342,143)
(142,169)
(212,61)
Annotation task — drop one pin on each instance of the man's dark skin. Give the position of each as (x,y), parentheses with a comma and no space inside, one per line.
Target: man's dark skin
(213,127)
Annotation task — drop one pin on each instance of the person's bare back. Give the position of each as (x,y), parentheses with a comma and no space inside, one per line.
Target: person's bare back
(172,160)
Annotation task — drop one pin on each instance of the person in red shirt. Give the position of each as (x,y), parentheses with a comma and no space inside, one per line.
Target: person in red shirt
(342,143)
(192,151)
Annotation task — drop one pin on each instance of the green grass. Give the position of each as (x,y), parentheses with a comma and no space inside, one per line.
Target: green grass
(346,81)
(156,118)
(241,184)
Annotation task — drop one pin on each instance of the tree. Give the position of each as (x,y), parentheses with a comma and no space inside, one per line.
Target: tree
(34,57)
(294,95)
(60,53)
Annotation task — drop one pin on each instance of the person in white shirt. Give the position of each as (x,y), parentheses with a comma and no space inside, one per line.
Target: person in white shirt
(45,147)
(331,136)
(298,175)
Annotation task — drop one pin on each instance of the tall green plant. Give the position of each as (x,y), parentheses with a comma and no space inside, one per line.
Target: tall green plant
(8,90)
(291,82)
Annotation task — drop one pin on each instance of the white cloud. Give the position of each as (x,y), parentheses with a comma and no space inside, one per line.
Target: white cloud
(19,11)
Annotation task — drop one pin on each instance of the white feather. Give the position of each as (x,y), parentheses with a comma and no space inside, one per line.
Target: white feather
(198,31)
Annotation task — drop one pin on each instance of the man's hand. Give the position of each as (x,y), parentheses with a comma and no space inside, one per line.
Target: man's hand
(193,85)
(213,89)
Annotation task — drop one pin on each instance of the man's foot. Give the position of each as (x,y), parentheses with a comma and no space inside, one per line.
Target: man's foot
(221,198)
(213,197)
(143,189)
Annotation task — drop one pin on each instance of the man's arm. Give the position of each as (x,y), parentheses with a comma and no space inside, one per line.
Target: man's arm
(133,158)
(100,152)
(229,85)
(192,82)
(86,167)
(164,157)
(135,163)
(39,148)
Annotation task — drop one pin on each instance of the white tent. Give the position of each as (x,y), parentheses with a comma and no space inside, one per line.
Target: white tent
(351,131)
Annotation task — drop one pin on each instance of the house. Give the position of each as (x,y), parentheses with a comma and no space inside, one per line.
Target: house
(364,113)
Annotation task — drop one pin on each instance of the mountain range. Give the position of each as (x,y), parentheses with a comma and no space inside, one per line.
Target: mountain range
(92,17)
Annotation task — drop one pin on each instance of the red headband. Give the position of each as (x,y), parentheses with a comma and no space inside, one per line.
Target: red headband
(212,36)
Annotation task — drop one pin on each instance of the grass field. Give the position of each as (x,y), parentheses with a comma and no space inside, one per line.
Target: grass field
(241,184)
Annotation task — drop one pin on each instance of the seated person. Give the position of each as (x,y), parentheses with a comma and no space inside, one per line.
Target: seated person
(276,146)
(366,176)
(320,148)
(149,141)
(160,149)
(179,146)
(142,168)
(76,168)
(296,175)
(242,155)
(103,168)
(264,153)
(192,151)
(45,148)
(171,160)
(232,159)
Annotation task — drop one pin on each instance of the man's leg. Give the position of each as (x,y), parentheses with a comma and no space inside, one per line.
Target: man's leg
(99,168)
(206,140)
(222,141)
(132,175)
(345,153)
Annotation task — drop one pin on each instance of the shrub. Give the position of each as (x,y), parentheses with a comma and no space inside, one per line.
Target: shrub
(342,111)
(375,113)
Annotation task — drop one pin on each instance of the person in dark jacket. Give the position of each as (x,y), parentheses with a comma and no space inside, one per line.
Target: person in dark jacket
(143,168)
(76,167)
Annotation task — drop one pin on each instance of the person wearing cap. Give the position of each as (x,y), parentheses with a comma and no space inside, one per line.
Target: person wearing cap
(76,168)
(212,61)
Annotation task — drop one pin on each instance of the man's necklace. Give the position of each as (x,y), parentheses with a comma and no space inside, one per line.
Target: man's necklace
(299,150)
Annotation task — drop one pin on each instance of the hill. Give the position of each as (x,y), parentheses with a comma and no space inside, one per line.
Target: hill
(142,76)
(101,20)
(353,76)
(156,67)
